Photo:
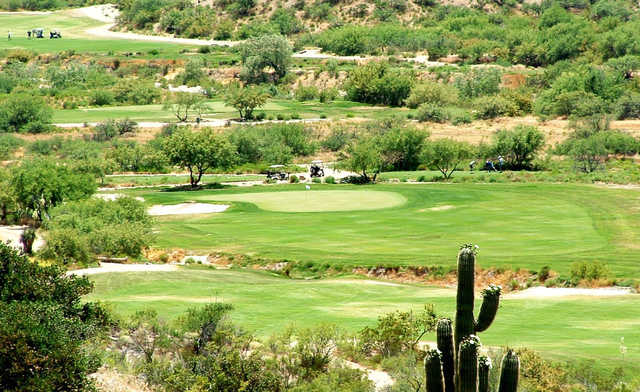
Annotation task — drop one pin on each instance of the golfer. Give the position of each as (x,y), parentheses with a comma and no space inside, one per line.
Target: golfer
(500,162)
(488,166)
(472,164)
(9,35)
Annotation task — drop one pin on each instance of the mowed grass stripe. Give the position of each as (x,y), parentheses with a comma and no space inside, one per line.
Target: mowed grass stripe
(563,328)
(515,225)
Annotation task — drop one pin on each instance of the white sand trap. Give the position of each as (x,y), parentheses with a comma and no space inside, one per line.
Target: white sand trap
(556,292)
(186,209)
(115,267)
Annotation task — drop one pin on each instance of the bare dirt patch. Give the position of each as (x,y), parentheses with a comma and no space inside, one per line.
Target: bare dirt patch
(186,209)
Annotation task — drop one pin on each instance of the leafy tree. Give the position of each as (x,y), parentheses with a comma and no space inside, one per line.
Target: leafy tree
(518,146)
(377,83)
(432,93)
(402,148)
(446,155)
(589,153)
(24,113)
(265,52)
(183,103)
(365,157)
(199,151)
(245,100)
(41,184)
(44,326)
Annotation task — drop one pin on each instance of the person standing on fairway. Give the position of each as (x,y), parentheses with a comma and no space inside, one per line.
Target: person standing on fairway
(9,35)
(472,164)
(500,162)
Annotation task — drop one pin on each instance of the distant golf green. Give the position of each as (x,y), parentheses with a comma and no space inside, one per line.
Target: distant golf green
(564,328)
(515,225)
(317,201)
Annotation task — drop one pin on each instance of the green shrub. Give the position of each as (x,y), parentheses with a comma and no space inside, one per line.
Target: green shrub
(589,271)
(432,113)
(494,106)
(8,145)
(101,97)
(377,83)
(329,180)
(432,93)
(478,82)
(628,107)
(24,112)
(294,179)
(302,93)
(337,139)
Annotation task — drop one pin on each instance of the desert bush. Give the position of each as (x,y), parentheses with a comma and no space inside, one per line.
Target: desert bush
(628,106)
(8,145)
(378,83)
(518,146)
(432,113)
(589,271)
(136,92)
(397,332)
(494,106)
(339,138)
(478,82)
(432,93)
(267,51)
(302,93)
(25,113)
(329,180)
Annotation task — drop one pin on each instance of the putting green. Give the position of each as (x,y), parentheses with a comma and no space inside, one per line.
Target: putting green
(316,201)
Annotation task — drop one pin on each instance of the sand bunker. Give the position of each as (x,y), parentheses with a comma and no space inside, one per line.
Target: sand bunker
(441,208)
(186,209)
(554,292)
(113,196)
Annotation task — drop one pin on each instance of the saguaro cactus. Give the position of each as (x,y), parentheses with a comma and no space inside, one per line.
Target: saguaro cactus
(510,372)
(461,368)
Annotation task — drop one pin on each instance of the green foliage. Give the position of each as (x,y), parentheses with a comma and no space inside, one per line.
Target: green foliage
(589,271)
(183,103)
(267,51)
(365,157)
(99,227)
(130,156)
(494,106)
(110,129)
(8,145)
(378,83)
(432,113)
(518,146)
(276,143)
(447,155)
(337,139)
(397,332)
(478,82)
(199,151)
(41,184)
(245,100)
(432,93)
(25,113)
(402,147)
(44,326)
(287,21)
(338,379)
(136,92)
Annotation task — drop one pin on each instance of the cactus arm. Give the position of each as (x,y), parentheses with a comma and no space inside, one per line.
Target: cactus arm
(489,308)
(484,367)
(433,371)
(468,364)
(465,323)
(510,372)
(445,345)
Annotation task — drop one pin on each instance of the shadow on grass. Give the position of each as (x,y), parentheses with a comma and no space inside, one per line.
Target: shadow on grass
(188,188)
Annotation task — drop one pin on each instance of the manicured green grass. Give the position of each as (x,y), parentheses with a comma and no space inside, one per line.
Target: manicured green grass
(318,201)
(515,225)
(567,328)
(218,110)
(74,36)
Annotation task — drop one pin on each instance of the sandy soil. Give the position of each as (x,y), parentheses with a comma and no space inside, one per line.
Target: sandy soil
(204,123)
(107,13)
(557,292)
(110,380)
(381,380)
(186,209)
(115,267)
(11,235)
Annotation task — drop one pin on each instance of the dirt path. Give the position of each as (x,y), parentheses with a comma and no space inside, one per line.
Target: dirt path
(205,123)
(115,267)
(107,13)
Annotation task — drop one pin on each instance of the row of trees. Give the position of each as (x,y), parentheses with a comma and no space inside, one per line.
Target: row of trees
(406,148)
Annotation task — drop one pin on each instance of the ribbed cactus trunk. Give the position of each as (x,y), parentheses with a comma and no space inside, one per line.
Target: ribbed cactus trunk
(510,372)
(433,371)
(444,334)
(465,323)
(484,368)
(468,364)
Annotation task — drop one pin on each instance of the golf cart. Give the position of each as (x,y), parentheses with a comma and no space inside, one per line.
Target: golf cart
(38,32)
(316,169)
(276,172)
(55,34)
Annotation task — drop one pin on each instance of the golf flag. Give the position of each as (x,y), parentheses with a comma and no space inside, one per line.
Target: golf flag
(307,187)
